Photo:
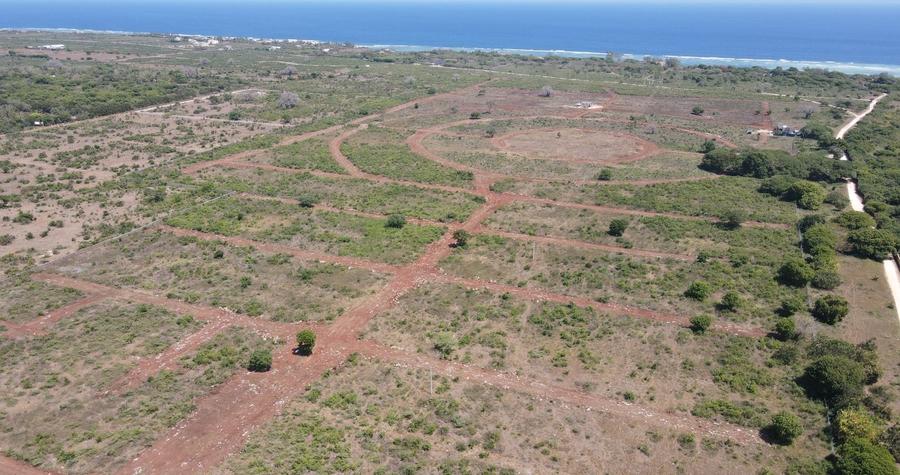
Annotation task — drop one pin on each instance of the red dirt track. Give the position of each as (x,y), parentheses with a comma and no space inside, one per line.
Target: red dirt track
(40,325)
(10,466)
(224,419)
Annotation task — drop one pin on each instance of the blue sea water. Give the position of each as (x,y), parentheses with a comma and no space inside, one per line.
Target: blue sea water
(853,37)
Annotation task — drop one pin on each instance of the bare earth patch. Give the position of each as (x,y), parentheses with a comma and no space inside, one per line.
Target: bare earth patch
(578,145)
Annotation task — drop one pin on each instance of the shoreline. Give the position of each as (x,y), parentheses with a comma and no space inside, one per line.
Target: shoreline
(689,60)
(846,67)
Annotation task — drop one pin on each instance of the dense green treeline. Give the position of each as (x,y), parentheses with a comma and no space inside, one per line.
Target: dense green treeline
(874,147)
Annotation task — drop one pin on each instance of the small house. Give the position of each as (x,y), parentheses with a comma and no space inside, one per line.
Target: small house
(786,131)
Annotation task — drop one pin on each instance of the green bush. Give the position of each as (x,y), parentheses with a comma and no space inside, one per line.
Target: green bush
(733,219)
(395,221)
(260,360)
(830,309)
(861,457)
(807,194)
(837,199)
(698,290)
(721,160)
(777,185)
(819,239)
(701,323)
(891,439)
(306,341)
(731,302)
(444,343)
(856,423)
(605,174)
(863,353)
(307,200)
(855,220)
(819,132)
(785,329)
(815,166)
(617,227)
(791,305)
(461,236)
(795,273)
(826,280)
(809,221)
(742,413)
(785,427)
(23,217)
(872,243)
(835,379)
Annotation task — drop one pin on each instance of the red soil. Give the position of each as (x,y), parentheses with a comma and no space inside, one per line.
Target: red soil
(10,466)
(646,147)
(40,325)
(225,418)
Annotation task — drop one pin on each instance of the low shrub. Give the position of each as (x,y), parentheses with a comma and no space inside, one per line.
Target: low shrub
(260,360)
(830,309)
(698,290)
(701,323)
(785,427)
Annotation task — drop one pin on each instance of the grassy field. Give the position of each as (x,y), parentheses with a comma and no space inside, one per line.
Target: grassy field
(62,377)
(369,417)
(689,198)
(644,232)
(659,366)
(380,152)
(355,194)
(307,155)
(606,277)
(25,300)
(273,286)
(325,231)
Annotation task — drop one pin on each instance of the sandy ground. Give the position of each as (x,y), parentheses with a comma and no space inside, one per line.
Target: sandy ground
(893,279)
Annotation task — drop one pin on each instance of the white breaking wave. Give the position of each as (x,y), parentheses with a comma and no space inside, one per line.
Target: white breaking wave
(844,67)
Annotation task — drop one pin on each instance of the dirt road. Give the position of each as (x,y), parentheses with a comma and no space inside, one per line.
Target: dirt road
(858,117)
(40,325)
(225,418)
(891,270)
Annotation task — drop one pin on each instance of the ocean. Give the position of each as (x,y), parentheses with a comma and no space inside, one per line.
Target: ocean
(858,37)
